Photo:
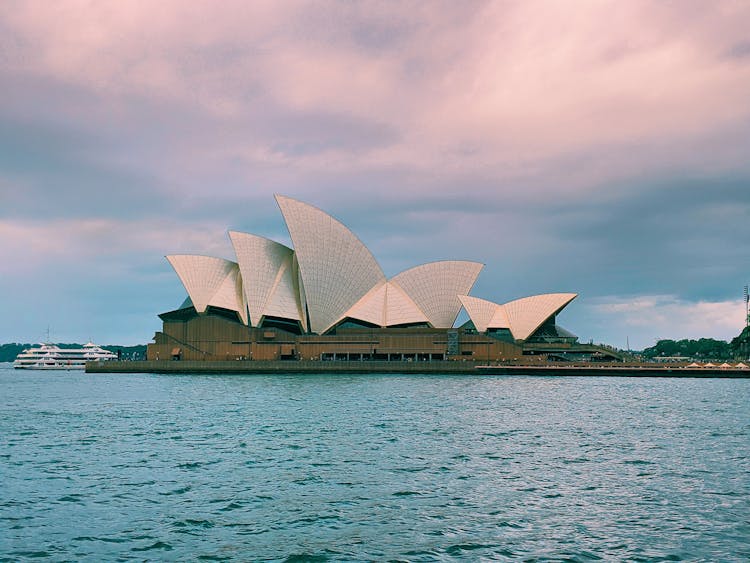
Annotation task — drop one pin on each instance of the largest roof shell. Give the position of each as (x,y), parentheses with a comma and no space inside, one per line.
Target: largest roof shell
(336,268)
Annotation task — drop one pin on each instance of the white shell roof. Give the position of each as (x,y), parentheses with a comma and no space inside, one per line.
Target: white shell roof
(499,319)
(529,313)
(331,275)
(210,281)
(284,299)
(266,269)
(480,311)
(336,268)
(435,288)
(297,277)
(522,316)
(401,308)
(386,305)
(230,296)
(371,308)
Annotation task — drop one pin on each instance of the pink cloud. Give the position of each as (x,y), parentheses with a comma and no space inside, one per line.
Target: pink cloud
(97,243)
(514,81)
(448,113)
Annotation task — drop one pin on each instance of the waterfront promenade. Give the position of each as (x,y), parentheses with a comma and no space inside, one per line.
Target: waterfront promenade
(431,367)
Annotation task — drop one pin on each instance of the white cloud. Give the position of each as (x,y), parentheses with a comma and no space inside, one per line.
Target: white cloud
(91,244)
(526,81)
(648,318)
(509,117)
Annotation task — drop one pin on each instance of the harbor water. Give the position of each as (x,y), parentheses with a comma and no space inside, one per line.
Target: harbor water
(121,467)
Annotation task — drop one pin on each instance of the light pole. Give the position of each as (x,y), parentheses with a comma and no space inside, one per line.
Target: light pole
(747,308)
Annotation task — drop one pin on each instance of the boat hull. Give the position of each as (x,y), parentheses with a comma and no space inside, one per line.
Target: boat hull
(51,357)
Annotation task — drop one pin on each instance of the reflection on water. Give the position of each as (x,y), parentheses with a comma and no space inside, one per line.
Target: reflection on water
(339,467)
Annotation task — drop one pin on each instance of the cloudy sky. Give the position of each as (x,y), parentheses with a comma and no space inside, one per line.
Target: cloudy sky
(601,148)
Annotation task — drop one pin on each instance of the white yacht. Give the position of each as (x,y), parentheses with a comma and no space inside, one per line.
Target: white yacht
(51,356)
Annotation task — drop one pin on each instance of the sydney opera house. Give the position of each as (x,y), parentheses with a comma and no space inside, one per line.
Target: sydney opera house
(327,298)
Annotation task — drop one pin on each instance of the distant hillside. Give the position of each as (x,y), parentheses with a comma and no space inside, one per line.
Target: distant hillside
(703,348)
(8,352)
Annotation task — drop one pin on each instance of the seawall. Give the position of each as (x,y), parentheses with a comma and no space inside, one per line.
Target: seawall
(433,367)
(280,367)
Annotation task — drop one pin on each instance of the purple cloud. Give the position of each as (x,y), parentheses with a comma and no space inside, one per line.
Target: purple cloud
(517,134)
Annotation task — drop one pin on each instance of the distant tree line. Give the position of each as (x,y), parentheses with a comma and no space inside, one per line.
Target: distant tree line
(741,344)
(8,352)
(703,348)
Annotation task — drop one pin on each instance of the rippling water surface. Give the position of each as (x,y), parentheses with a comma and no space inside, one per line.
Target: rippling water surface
(339,467)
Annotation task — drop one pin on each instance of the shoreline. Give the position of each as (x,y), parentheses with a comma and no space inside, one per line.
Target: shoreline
(403,367)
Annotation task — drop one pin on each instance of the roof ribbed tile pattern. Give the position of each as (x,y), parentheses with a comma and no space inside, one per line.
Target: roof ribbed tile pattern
(527,314)
(435,288)
(283,301)
(230,296)
(499,319)
(480,311)
(265,266)
(330,275)
(371,308)
(336,268)
(297,277)
(386,305)
(522,316)
(401,308)
(210,281)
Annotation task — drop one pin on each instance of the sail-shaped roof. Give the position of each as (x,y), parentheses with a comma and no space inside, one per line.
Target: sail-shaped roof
(331,275)
(522,316)
(499,319)
(336,268)
(435,288)
(284,300)
(387,305)
(300,293)
(266,269)
(210,281)
(480,311)
(401,308)
(371,307)
(527,314)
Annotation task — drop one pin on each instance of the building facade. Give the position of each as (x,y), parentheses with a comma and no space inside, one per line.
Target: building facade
(327,298)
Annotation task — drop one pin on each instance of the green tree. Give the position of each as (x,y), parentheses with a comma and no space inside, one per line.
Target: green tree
(703,348)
